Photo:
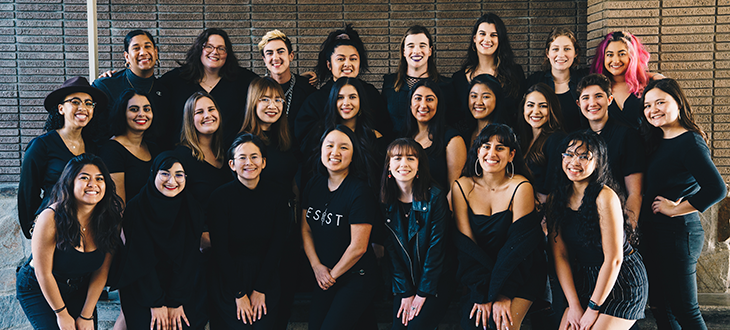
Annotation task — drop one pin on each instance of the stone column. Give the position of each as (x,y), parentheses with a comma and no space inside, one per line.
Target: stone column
(14,250)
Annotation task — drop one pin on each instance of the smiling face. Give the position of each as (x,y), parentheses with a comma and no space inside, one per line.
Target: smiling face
(141,56)
(344,62)
(561,53)
(616,58)
(424,104)
(205,116)
(348,102)
(214,58)
(269,108)
(403,166)
(248,163)
(277,57)
(171,182)
(593,103)
(337,151)
(76,110)
(494,156)
(89,185)
(139,114)
(416,50)
(537,110)
(661,109)
(486,39)
(481,101)
(578,162)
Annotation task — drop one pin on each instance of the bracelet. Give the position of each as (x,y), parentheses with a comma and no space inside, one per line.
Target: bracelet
(59,310)
(88,319)
(592,305)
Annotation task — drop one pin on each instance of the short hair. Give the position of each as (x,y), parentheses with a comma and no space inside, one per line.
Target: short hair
(274,35)
(594,79)
(134,33)
(243,138)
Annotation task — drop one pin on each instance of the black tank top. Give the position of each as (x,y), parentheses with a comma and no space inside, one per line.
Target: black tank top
(578,249)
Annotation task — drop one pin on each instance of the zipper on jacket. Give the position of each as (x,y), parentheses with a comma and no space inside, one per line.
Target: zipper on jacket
(410,262)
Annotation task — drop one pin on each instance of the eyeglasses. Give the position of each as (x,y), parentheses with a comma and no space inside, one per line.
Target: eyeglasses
(179,177)
(277,100)
(76,102)
(582,158)
(210,48)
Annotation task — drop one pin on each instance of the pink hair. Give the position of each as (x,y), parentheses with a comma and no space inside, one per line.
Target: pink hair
(636,74)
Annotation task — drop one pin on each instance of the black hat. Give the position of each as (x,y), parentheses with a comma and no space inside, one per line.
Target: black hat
(74,85)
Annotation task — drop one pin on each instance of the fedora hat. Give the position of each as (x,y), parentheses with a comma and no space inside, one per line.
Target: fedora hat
(74,85)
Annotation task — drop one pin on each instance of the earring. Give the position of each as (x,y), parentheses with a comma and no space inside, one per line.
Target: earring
(417,176)
(390,175)
(126,64)
(476,168)
(513,170)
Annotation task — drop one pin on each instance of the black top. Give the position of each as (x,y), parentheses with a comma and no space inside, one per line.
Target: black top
(247,231)
(302,90)
(44,160)
(281,166)
(573,233)
(573,120)
(631,113)
(509,104)
(543,174)
(399,105)
(313,111)
(681,168)
(202,177)
(626,153)
(330,214)
(160,131)
(230,95)
(72,263)
(437,160)
(119,160)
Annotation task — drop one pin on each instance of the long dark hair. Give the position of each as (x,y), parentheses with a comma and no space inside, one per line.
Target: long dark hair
(105,218)
(534,154)
(437,124)
(332,115)
(118,116)
(433,72)
(504,59)
(653,135)
(192,68)
(389,191)
(358,167)
(507,137)
(557,203)
(344,37)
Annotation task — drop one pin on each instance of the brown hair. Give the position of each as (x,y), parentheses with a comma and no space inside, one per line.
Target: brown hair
(433,72)
(189,135)
(251,122)
(561,32)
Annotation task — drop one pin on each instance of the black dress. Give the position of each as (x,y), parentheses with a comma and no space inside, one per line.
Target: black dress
(543,174)
(247,247)
(230,95)
(44,160)
(119,160)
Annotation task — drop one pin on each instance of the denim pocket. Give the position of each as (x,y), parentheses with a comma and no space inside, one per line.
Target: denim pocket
(695,241)
(24,279)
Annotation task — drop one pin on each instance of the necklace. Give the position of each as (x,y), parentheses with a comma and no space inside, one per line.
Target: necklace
(202,81)
(406,209)
(130,83)
(289,93)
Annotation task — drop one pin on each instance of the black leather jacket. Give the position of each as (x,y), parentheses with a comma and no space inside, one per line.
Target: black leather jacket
(417,252)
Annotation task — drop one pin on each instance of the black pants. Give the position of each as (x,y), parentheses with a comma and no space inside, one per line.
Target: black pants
(340,307)
(670,251)
(34,304)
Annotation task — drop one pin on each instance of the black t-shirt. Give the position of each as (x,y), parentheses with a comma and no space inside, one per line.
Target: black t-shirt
(437,160)
(626,153)
(330,214)
(631,113)
(119,160)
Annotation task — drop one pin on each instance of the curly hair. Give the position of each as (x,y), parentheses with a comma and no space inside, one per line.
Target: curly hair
(636,72)
(105,218)
(345,37)
(192,68)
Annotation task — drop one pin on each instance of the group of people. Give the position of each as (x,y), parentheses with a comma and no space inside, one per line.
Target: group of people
(217,194)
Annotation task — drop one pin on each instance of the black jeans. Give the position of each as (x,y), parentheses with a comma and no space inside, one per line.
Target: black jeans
(671,249)
(341,306)
(34,304)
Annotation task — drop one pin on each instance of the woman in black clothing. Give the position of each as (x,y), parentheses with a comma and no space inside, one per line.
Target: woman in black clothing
(128,153)
(69,133)
(211,65)
(494,207)
(445,148)
(417,61)
(490,52)
(72,247)
(540,135)
(414,207)
(681,180)
(159,284)
(486,106)
(561,72)
(338,210)
(342,54)
(602,276)
(247,246)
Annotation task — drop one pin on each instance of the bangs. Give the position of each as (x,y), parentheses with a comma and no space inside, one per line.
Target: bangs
(402,150)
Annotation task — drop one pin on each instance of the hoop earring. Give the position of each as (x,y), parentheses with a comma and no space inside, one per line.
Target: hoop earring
(513,170)
(126,64)
(476,168)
